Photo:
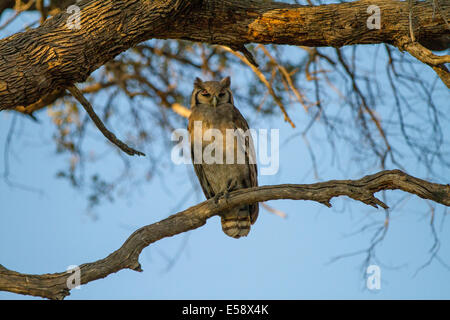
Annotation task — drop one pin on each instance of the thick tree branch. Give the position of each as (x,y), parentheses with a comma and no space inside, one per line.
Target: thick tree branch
(36,62)
(54,286)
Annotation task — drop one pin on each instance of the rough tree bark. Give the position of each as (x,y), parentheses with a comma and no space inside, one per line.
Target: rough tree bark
(35,63)
(54,286)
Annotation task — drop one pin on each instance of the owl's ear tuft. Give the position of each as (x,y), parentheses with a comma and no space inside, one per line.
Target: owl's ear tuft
(198,83)
(225,82)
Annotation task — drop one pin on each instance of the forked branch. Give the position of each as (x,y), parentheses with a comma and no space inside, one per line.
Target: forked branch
(54,286)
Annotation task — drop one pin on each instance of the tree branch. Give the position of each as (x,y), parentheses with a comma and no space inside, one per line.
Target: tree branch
(108,134)
(54,286)
(264,80)
(434,61)
(35,62)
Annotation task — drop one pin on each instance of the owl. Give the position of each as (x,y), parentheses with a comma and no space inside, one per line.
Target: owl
(213,110)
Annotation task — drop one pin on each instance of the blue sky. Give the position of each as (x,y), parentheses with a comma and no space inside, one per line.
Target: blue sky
(281,259)
(46,231)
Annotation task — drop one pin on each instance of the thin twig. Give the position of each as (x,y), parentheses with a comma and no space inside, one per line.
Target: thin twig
(246,53)
(108,134)
(273,210)
(263,79)
(287,76)
(411,31)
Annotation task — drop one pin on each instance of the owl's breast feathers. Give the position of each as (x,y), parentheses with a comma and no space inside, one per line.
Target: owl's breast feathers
(234,130)
(221,117)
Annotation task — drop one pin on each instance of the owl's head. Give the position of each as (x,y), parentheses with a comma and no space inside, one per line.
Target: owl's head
(212,93)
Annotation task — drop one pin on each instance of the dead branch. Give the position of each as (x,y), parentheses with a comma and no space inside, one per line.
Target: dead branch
(108,134)
(54,286)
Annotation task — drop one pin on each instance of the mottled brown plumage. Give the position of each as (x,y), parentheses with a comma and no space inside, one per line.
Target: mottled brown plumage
(213,108)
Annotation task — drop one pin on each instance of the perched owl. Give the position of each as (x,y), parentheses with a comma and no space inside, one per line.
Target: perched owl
(213,111)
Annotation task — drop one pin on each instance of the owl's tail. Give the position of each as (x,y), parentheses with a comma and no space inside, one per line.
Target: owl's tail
(236,223)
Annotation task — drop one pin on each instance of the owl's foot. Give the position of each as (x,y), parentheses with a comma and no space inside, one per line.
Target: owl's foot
(230,187)
(221,195)
(231,183)
(217,197)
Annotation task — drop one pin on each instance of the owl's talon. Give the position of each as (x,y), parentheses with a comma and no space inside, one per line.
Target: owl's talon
(223,195)
(230,187)
(217,197)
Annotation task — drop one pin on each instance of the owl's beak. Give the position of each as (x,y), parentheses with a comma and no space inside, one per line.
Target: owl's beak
(214,101)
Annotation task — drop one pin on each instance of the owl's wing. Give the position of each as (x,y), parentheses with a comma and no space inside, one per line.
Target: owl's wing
(250,159)
(198,168)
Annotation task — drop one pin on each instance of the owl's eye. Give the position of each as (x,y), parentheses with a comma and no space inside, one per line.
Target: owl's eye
(205,93)
(221,94)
